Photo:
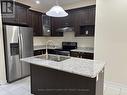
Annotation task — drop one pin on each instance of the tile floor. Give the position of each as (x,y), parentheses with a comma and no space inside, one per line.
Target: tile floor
(22,87)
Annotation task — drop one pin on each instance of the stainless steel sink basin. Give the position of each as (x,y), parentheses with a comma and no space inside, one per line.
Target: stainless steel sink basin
(57,58)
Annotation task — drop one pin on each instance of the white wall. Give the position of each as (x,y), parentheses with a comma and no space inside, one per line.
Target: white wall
(68,36)
(111,38)
(2,61)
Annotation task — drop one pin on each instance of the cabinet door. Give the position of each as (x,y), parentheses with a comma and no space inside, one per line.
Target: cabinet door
(20,16)
(62,22)
(87,30)
(84,21)
(46,25)
(81,19)
(55,25)
(36,23)
(30,20)
(39,52)
(10,20)
(22,13)
(75,54)
(68,20)
(91,17)
(81,16)
(88,55)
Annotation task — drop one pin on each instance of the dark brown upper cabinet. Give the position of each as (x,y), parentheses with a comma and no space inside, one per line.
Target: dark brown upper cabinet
(35,21)
(46,24)
(55,25)
(61,22)
(84,21)
(81,19)
(20,16)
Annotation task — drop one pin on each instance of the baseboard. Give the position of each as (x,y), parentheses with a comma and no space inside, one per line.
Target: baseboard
(115,84)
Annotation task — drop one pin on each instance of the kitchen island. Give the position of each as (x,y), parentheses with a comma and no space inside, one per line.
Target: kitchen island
(66,76)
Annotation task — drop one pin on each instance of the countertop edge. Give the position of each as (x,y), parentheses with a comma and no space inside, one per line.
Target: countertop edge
(91,76)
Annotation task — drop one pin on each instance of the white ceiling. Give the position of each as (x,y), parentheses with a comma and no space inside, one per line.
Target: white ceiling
(47,4)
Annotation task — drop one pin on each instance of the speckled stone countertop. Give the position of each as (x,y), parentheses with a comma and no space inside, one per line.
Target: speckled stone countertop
(40,47)
(84,49)
(83,67)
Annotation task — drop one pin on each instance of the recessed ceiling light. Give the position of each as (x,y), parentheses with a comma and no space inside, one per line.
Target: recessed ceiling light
(37,2)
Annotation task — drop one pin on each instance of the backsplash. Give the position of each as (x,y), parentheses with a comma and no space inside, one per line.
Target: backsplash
(68,36)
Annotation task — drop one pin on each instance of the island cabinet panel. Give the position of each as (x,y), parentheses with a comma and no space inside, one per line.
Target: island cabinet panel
(20,16)
(46,81)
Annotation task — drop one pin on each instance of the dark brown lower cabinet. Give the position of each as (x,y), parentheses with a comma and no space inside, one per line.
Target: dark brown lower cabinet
(85,55)
(38,52)
(46,81)
(43,51)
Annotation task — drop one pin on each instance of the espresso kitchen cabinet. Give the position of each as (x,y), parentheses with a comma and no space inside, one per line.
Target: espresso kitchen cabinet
(62,22)
(35,21)
(84,22)
(55,25)
(20,16)
(43,51)
(43,78)
(39,52)
(85,55)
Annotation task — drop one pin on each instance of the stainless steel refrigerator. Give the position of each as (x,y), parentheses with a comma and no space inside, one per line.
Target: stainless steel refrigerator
(18,43)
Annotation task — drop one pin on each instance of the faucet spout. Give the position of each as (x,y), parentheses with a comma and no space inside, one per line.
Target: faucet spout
(47,43)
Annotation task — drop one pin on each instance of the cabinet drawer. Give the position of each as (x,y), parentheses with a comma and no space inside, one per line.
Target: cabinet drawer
(38,52)
(88,55)
(75,54)
(82,55)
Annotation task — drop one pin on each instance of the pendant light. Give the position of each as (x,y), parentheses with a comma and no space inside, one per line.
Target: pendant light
(57,11)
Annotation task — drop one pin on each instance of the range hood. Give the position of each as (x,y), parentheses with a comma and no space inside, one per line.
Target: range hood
(65,29)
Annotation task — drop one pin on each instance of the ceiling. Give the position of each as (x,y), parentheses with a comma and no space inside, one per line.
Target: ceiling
(47,4)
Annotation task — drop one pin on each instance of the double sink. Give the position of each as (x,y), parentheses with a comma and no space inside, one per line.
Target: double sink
(52,57)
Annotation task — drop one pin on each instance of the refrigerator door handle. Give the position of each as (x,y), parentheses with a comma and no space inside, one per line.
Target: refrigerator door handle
(20,44)
(21,37)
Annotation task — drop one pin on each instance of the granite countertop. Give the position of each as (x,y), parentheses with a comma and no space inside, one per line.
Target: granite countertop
(83,67)
(84,49)
(40,47)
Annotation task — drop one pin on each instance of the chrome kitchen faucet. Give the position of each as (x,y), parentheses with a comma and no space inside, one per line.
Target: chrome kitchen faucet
(47,43)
